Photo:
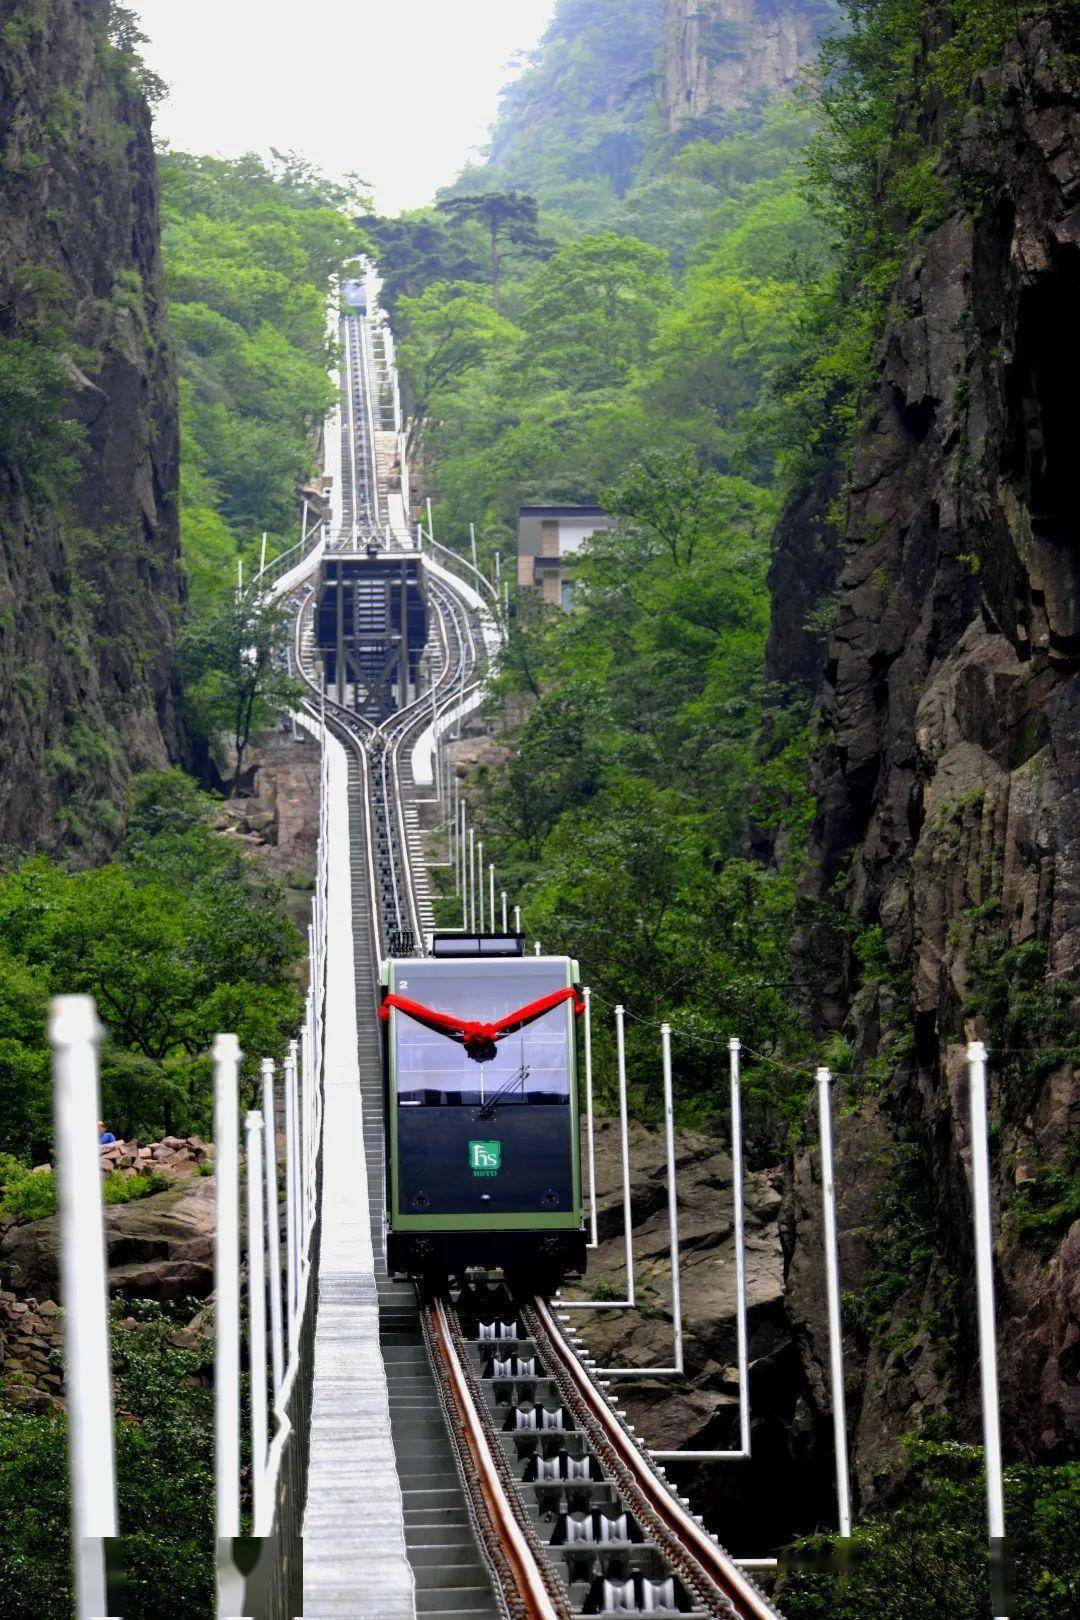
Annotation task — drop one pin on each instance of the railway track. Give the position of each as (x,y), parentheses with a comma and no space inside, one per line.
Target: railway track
(525,1493)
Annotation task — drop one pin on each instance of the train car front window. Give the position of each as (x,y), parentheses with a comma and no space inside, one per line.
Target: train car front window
(530,1068)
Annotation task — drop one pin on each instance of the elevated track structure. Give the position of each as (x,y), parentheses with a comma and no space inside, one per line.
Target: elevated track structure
(456,1454)
(520,1491)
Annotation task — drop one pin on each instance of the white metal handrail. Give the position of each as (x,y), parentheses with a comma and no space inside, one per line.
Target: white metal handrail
(274,1360)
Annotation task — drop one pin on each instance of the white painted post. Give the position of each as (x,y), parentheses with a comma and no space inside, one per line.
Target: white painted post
(984,1282)
(491,897)
(472,538)
(227,1292)
(292,1230)
(430,525)
(273,1224)
(256,1250)
(505,929)
(463,849)
(498,570)
(239,578)
(472,880)
(832,1283)
(517,919)
(75,1035)
(536,948)
(452,829)
(673,1197)
(480,870)
(624,1131)
(262,555)
(590,1135)
(737,1194)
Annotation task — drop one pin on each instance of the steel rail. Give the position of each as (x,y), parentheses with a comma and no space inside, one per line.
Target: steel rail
(527,1575)
(407,721)
(718,1565)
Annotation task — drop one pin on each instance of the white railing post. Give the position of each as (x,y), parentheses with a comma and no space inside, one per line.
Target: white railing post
(472,880)
(227,1311)
(624,1132)
(299,1143)
(256,1255)
(273,1224)
(984,1283)
(676,1368)
(673,1196)
(590,1132)
(480,872)
(505,929)
(75,1035)
(832,1284)
(491,897)
(739,1225)
(517,919)
(462,854)
(292,1256)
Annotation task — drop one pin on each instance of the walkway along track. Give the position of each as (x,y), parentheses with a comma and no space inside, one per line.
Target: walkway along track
(525,1495)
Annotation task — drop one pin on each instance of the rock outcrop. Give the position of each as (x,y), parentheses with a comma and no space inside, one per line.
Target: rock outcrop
(89,561)
(948,839)
(161,1247)
(725,56)
(30,1341)
(173,1156)
(702,1410)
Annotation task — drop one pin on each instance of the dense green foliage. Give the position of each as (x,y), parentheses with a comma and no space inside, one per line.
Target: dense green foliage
(177,938)
(249,253)
(621,815)
(28,1195)
(234,680)
(618,370)
(164,1436)
(928,1556)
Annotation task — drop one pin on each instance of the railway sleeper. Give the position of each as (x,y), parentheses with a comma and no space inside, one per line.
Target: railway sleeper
(602,1554)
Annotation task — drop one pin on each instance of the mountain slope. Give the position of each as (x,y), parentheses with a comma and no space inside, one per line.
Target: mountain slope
(89,543)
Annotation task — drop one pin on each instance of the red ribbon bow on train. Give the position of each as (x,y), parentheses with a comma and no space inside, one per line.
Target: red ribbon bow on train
(479,1040)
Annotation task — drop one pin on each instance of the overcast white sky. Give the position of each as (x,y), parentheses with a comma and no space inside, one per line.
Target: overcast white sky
(399,91)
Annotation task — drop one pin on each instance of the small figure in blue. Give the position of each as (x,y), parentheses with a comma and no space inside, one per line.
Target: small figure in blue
(104,1136)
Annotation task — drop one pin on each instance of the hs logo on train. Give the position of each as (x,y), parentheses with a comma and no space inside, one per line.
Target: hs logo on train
(485,1158)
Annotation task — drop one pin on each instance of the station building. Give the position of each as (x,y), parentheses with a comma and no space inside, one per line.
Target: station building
(547,539)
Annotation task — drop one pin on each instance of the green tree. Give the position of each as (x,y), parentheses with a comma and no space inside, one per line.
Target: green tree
(446,333)
(509,217)
(590,314)
(250,249)
(235,681)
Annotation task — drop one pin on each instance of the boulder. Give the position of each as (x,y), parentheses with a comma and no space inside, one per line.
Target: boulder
(161,1247)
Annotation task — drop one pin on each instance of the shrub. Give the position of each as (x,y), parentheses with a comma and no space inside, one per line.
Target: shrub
(117,1188)
(29,1196)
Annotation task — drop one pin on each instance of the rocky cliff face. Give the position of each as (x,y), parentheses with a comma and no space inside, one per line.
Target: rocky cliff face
(948,839)
(722,56)
(89,564)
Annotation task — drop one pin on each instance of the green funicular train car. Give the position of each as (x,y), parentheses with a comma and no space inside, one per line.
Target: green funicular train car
(482,1116)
